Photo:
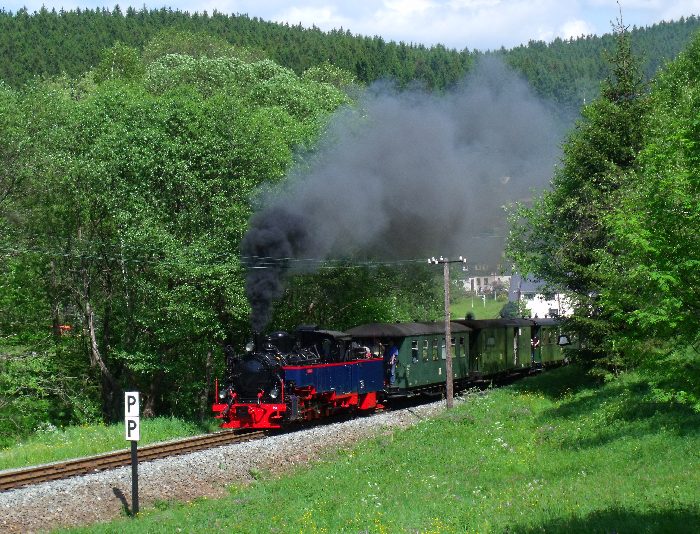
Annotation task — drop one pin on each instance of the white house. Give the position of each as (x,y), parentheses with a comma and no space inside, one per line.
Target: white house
(531,293)
(486,283)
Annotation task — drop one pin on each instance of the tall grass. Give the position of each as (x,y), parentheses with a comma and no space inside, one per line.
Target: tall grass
(51,444)
(554,453)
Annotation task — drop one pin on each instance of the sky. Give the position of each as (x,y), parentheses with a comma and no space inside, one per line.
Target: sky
(458,24)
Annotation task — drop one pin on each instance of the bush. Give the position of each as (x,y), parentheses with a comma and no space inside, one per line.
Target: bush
(37,393)
(509,311)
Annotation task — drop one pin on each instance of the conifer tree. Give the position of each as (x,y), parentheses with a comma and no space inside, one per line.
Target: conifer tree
(560,238)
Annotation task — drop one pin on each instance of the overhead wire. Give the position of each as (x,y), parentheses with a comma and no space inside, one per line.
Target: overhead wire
(149,254)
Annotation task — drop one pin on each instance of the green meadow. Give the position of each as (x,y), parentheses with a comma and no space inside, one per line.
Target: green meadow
(52,444)
(481,309)
(558,452)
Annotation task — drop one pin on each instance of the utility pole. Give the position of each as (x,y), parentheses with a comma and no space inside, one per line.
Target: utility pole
(449,379)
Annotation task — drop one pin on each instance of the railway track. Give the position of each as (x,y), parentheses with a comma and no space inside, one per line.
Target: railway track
(17,478)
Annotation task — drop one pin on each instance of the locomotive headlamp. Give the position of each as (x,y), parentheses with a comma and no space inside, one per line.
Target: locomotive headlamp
(274,392)
(222,395)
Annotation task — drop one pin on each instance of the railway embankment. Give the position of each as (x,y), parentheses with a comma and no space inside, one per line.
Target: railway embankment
(558,452)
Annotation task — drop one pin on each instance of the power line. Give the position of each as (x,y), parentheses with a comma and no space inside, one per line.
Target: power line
(185,255)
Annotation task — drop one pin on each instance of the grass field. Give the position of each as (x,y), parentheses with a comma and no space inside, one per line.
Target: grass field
(54,444)
(482,309)
(553,453)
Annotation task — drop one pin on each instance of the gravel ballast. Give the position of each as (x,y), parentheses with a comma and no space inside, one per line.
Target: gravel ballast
(106,495)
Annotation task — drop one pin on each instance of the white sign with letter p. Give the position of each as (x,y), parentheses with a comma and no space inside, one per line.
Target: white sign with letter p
(131,415)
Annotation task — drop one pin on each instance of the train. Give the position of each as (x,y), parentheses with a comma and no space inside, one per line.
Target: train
(311,373)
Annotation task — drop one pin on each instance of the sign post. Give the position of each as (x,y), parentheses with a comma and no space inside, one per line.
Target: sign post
(133,434)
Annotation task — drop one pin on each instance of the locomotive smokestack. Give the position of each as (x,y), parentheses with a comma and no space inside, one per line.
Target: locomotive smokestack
(257,341)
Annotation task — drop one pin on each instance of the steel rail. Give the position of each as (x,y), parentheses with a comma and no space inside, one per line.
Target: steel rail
(16,478)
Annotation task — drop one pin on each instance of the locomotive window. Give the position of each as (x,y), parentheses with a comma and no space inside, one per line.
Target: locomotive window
(426,349)
(414,350)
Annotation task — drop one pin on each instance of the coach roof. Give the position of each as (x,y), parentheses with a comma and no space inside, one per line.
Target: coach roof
(404,329)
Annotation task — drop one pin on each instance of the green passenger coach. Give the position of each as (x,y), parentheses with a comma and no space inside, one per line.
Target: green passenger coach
(481,349)
(422,351)
(552,341)
(500,346)
(504,346)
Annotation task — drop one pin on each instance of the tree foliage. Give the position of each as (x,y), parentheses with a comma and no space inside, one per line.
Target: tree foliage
(562,236)
(136,186)
(346,296)
(125,194)
(619,228)
(654,264)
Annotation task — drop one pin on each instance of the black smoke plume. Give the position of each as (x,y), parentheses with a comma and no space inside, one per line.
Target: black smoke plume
(408,175)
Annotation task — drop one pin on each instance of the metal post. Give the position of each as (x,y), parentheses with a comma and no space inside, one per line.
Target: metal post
(134,479)
(448,337)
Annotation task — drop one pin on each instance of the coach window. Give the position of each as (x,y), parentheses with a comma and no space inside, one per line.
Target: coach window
(435,349)
(462,348)
(414,350)
(426,349)
(444,352)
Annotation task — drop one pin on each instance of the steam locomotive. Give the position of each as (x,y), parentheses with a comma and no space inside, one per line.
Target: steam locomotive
(312,373)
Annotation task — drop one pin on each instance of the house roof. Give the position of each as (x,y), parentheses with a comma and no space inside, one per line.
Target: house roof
(520,285)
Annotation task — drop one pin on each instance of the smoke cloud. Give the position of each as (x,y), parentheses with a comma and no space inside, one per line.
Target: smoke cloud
(408,175)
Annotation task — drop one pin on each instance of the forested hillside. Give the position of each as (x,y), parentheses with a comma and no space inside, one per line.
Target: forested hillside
(124,194)
(50,43)
(568,71)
